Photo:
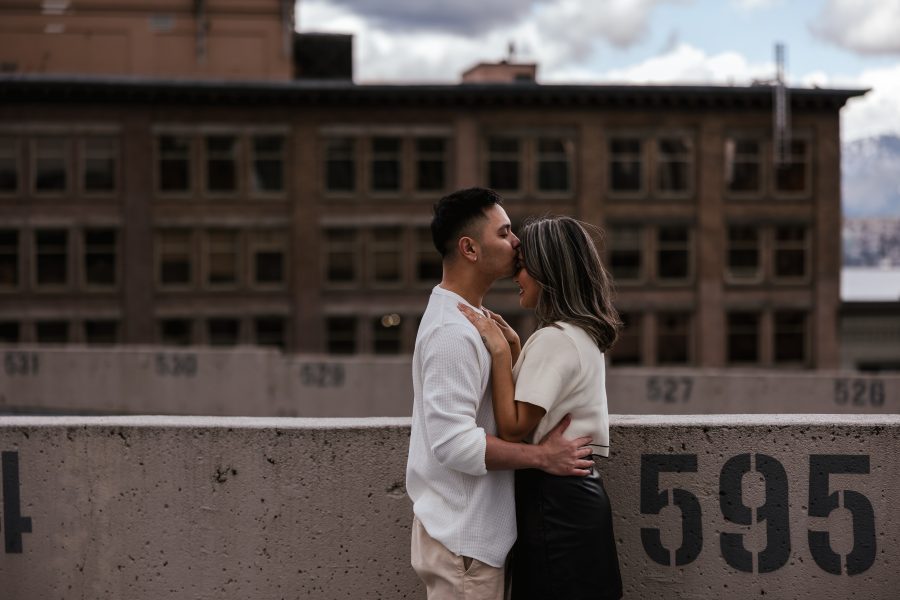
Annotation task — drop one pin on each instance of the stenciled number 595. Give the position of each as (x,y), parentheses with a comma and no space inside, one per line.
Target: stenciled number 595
(774,511)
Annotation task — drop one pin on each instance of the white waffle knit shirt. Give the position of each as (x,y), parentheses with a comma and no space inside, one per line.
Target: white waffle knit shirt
(461,504)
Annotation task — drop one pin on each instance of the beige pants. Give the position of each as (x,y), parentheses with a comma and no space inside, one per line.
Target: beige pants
(448,576)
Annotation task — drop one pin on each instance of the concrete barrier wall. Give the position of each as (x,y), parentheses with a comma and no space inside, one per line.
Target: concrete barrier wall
(254,382)
(198,508)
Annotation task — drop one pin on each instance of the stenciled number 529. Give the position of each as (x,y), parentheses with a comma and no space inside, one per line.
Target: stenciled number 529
(774,511)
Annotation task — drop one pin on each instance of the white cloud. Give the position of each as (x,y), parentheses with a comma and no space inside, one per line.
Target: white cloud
(876,113)
(555,34)
(864,26)
(751,5)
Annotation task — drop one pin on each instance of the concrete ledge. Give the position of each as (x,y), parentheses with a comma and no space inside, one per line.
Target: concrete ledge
(254,382)
(797,506)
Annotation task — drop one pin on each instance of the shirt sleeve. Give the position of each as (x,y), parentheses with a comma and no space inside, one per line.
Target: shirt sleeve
(548,365)
(451,391)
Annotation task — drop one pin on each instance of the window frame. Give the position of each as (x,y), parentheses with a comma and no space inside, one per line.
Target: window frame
(691,164)
(353,247)
(253,157)
(117,253)
(191,257)
(35,279)
(520,161)
(806,246)
(66,156)
(643,160)
(658,247)
(643,274)
(206,156)
(257,241)
(354,158)
(19,260)
(807,192)
(16,145)
(208,249)
(570,153)
(762,184)
(115,157)
(192,152)
(760,248)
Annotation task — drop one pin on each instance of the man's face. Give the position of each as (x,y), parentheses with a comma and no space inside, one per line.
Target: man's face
(499,245)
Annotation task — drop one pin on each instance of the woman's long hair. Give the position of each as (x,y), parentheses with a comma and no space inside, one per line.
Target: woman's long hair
(560,255)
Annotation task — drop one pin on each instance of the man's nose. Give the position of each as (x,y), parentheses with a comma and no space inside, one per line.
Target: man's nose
(515,242)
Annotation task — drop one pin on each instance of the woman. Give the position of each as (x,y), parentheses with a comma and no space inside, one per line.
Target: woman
(565,547)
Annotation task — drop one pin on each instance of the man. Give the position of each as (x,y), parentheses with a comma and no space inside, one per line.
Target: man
(459,475)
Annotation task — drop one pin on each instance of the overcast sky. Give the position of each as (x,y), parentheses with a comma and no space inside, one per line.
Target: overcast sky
(830,43)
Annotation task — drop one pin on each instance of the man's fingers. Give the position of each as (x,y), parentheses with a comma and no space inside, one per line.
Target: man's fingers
(584,464)
(582,452)
(583,441)
(580,472)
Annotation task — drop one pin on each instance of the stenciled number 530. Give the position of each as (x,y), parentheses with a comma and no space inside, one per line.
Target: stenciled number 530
(774,511)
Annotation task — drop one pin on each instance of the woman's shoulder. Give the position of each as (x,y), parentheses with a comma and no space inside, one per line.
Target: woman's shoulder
(555,337)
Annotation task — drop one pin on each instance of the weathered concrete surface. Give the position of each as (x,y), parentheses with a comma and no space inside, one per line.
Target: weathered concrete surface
(202,508)
(255,382)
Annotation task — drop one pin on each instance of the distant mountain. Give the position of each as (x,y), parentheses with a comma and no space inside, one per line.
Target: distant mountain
(870,174)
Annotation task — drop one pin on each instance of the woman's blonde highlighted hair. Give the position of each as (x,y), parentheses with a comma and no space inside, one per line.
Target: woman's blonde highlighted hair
(560,255)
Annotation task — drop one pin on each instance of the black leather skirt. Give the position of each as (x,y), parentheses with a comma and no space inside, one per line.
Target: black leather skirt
(565,549)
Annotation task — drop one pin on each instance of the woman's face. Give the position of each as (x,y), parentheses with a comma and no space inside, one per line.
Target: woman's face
(529,290)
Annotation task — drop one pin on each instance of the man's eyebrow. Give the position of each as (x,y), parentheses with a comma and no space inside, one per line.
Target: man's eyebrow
(505,226)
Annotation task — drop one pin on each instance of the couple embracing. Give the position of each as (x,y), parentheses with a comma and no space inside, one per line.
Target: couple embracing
(503,436)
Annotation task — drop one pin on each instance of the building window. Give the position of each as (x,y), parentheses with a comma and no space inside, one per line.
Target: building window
(267,166)
(9,165)
(386,254)
(222,258)
(341,248)
(627,349)
(743,337)
(386,160)
(429,266)
(99,159)
(791,176)
(270,331)
(554,157)
(504,163)
(743,253)
(267,257)
(223,331)
(174,164)
(674,165)
(626,165)
(341,335)
(175,256)
(790,251)
(387,337)
(673,252)
(100,257)
(221,164)
(625,253)
(340,165)
(52,332)
(52,248)
(672,338)
(51,165)
(790,337)
(9,259)
(9,332)
(101,332)
(176,332)
(431,164)
(743,167)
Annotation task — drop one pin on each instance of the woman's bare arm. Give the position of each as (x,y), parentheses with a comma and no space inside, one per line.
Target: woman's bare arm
(515,420)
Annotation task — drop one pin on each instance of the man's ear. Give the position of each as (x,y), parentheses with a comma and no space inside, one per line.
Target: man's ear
(468,248)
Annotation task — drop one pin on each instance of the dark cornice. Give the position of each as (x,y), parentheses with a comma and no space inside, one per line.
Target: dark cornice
(47,89)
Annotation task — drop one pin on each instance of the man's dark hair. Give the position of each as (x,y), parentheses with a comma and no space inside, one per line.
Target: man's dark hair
(455,213)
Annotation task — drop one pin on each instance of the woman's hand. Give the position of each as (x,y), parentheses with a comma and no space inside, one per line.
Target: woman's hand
(491,333)
(509,333)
